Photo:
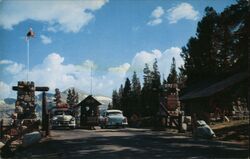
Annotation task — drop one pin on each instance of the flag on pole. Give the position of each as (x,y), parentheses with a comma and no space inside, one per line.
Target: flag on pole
(30,34)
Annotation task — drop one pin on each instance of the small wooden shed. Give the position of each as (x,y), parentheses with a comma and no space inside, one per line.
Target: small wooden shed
(89,108)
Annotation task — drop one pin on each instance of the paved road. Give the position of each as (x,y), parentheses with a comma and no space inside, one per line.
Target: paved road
(129,143)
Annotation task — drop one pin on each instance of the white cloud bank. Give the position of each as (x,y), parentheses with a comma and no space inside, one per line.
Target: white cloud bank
(164,59)
(156,16)
(11,66)
(182,11)
(45,39)
(67,16)
(54,73)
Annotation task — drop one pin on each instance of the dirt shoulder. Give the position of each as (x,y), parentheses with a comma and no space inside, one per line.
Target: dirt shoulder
(234,131)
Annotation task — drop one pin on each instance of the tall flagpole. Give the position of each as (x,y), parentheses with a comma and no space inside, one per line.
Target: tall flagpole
(29,35)
(28,58)
(91,80)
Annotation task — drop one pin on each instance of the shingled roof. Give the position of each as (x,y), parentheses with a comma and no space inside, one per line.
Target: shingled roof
(215,87)
(89,101)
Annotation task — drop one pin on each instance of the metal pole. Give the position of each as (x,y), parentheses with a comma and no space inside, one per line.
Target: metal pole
(28,58)
(91,80)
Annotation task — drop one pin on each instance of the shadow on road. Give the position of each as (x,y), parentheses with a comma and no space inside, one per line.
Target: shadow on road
(135,146)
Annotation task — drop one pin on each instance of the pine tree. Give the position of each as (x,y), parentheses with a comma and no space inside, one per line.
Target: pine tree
(110,106)
(172,77)
(126,98)
(156,89)
(136,85)
(135,94)
(127,88)
(182,78)
(164,85)
(156,78)
(115,100)
(147,78)
(69,98)
(146,91)
(220,48)
(76,98)
(221,44)
(120,96)
(57,97)
(120,93)
(72,98)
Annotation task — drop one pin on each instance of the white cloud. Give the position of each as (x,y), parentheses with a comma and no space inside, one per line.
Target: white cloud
(182,11)
(11,66)
(155,22)
(120,69)
(14,68)
(156,16)
(67,16)
(143,57)
(54,73)
(158,12)
(45,39)
(88,64)
(4,90)
(164,59)
(5,62)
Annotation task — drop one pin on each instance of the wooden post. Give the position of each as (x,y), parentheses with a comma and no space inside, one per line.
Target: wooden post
(45,116)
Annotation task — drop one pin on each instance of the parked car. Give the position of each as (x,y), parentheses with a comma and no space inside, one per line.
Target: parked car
(63,118)
(113,118)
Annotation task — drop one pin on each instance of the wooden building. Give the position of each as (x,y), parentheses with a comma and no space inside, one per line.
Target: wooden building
(215,97)
(89,111)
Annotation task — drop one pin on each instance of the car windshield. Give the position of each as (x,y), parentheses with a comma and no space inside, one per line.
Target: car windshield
(114,113)
(61,112)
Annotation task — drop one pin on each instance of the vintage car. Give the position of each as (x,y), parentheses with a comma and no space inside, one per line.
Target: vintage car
(63,118)
(113,118)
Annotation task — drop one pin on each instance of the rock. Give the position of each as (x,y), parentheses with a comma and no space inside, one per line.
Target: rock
(31,138)
(203,130)
(184,126)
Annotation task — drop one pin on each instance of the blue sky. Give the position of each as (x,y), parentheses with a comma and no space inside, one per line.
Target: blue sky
(113,37)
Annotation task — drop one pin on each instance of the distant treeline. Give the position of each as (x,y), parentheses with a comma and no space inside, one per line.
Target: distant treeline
(144,100)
